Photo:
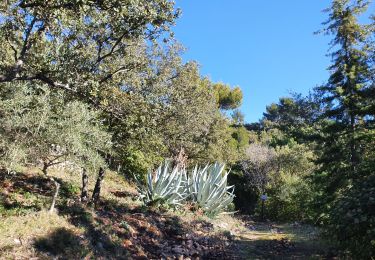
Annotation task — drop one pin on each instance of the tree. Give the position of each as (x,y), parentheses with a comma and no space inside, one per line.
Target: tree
(77,46)
(296,116)
(226,97)
(39,126)
(168,107)
(89,49)
(346,153)
(290,193)
(344,96)
(238,117)
(258,166)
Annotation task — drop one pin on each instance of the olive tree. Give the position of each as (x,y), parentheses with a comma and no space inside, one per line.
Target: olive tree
(38,126)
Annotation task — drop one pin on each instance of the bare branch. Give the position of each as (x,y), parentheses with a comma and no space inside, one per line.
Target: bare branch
(118,41)
(28,31)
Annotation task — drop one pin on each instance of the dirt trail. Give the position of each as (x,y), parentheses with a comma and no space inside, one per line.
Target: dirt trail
(287,241)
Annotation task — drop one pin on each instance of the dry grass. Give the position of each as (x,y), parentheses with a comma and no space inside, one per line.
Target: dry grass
(19,233)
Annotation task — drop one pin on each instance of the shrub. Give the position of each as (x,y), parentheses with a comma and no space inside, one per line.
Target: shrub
(352,219)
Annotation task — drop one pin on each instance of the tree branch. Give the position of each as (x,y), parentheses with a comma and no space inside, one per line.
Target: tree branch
(118,41)
(26,44)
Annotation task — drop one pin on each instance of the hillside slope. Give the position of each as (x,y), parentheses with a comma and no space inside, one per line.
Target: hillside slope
(122,228)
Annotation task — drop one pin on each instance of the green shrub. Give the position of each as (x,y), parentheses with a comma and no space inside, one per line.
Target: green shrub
(352,219)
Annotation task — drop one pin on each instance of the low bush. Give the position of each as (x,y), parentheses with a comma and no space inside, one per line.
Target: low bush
(352,219)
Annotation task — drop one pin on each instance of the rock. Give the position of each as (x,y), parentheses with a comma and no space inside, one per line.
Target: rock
(127,243)
(178,250)
(17,241)
(99,245)
(223,225)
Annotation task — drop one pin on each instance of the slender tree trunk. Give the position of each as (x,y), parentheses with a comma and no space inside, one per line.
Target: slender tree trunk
(262,213)
(45,167)
(98,184)
(353,148)
(84,191)
(57,185)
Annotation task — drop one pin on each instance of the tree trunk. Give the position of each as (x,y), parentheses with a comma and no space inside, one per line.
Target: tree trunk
(84,191)
(180,159)
(57,185)
(45,167)
(98,184)
(262,214)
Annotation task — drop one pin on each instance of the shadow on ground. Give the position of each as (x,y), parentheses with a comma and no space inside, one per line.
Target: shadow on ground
(62,243)
(21,193)
(121,232)
(117,230)
(289,241)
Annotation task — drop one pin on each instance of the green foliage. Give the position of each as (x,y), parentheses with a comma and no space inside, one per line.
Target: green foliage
(246,195)
(241,135)
(344,127)
(238,117)
(352,219)
(227,98)
(40,126)
(136,163)
(290,195)
(208,188)
(81,47)
(168,107)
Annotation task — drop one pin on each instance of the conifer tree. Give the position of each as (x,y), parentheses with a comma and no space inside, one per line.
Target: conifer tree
(344,96)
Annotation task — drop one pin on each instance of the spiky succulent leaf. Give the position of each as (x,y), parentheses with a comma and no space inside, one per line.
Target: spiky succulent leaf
(208,188)
(165,185)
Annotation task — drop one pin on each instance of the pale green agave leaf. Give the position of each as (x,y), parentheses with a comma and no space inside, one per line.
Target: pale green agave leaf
(208,188)
(165,185)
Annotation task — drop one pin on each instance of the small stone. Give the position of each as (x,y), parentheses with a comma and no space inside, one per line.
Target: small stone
(17,241)
(99,245)
(199,233)
(178,250)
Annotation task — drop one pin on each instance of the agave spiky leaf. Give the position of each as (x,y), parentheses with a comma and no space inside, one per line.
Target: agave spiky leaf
(208,188)
(165,185)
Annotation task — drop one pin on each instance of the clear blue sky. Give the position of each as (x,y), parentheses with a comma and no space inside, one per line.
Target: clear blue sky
(268,48)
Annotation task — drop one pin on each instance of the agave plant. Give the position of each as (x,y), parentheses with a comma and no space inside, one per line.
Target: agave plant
(165,186)
(208,188)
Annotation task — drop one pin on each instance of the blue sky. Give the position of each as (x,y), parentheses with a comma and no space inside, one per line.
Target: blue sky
(268,48)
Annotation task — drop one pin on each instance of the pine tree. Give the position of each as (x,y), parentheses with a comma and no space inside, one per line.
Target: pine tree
(344,96)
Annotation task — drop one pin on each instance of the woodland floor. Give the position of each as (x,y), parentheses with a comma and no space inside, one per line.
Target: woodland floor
(121,228)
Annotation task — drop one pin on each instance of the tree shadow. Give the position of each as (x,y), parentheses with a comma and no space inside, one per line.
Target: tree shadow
(116,230)
(22,192)
(279,249)
(62,243)
(267,240)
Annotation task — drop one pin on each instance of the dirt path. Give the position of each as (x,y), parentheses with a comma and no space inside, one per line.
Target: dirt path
(288,241)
